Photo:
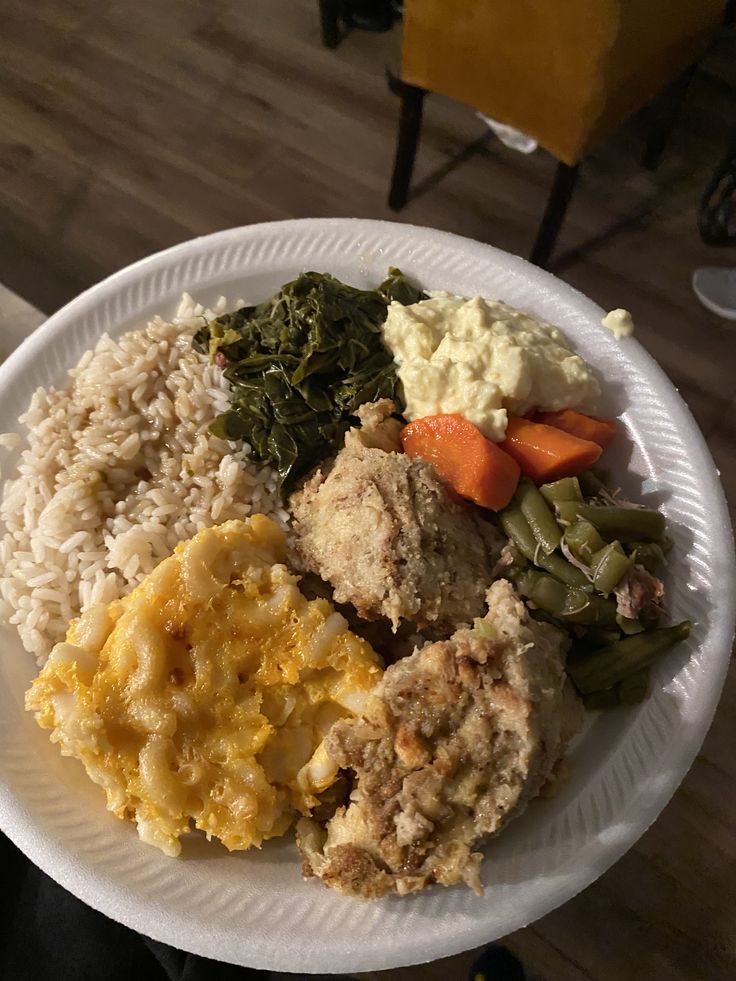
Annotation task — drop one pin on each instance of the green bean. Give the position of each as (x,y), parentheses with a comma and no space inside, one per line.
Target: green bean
(591,639)
(634,687)
(564,602)
(517,528)
(538,515)
(628,626)
(566,572)
(629,691)
(609,698)
(600,636)
(565,489)
(648,554)
(611,664)
(547,593)
(590,483)
(583,541)
(609,566)
(625,524)
(596,612)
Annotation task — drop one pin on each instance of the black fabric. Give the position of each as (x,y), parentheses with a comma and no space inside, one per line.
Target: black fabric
(497,963)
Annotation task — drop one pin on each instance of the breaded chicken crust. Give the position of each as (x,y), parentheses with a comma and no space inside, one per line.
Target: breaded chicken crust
(389,537)
(458,738)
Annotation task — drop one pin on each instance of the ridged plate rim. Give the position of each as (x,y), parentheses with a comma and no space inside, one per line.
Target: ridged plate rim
(269,918)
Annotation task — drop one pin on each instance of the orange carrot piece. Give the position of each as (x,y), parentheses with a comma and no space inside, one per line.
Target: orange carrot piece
(472,465)
(545,453)
(600,431)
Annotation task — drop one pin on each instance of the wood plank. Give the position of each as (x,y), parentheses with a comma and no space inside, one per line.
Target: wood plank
(18,319)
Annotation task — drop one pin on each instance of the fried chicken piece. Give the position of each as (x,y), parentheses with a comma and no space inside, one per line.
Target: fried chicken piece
(389,537)
(458,738)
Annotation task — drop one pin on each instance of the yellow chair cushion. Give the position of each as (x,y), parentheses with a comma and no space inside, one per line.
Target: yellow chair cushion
(567,72)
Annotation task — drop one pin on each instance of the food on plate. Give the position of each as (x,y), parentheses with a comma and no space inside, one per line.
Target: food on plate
(119,467)
(300,364)
(460,736)
(472,465)
(381,528)
(600,431)
(484,361)
(526,523)
(611,665)
(589,560)
(547,453)
(622,521)
(205,695)
(619,322)
(337,557)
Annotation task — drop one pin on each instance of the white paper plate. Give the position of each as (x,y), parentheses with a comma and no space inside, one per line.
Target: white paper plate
(254,909)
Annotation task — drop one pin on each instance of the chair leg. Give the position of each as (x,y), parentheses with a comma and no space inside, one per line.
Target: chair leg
(410,125)
(664,112)
(329,14)
(559,198)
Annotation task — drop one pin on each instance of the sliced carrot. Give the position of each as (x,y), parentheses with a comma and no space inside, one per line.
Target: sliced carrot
(600,431)
(546,453)
(472,465)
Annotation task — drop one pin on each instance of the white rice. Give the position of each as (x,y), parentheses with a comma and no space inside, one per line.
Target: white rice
(119,467)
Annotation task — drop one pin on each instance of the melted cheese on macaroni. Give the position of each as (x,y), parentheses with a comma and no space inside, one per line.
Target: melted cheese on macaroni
(205,695)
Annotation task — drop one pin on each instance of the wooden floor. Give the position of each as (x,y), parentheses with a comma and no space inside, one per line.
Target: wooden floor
(126,127)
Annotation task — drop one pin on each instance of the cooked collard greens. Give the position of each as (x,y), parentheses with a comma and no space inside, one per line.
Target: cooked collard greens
(300,364)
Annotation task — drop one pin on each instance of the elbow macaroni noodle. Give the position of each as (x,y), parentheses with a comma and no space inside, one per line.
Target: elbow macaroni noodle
(204,696)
